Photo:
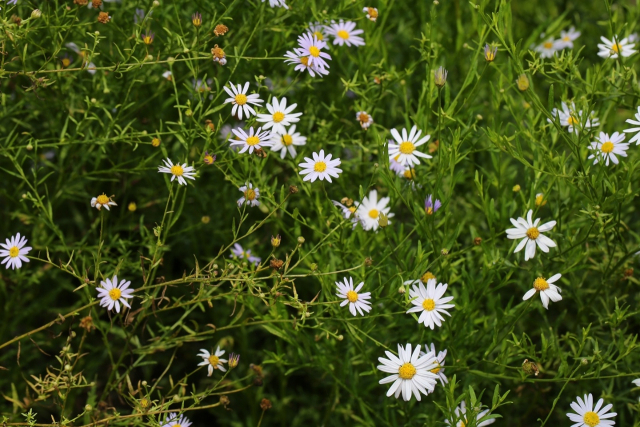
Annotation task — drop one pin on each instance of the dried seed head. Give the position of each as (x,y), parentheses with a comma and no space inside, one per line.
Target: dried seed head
(530,368)
(81,2)
(217,53)
(265,404)
(220,30)
(276,264)
(104,17)
(477,241)
(96,3)
(293,189)
(368,261)
(210,125)
(87,324)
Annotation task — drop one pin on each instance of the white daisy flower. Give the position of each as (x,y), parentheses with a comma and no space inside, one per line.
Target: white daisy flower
(547,48)
(345,33)
(302,61)
(102,201)
(548,291)
(461,416)
(606,148)
(572,119)
(567,38)
(395,165)
(635,122)
(430,302)
(588,416)
(241,100)
(356,301)
(531,235)
(251,141)
(404,151)
(279,115)
(172,420)
(611,49)
(13,251)
(212,361)
(277,3)
(320,167)
(348,212)
(318,30)
(372,13)
(411,373)
(113,293)
(365,119)
(178,171)
(439,369)
(286,141)
(250,195)
(90,67)
(370,209)
(311,47)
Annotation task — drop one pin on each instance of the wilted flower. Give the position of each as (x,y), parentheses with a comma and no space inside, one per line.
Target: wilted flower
(275,241)
(148,37)
(234,359)
(372,13)
(490,52)
(440,76)
(102,201)
(430,207)
(219,56)
(208,158)
(196,19)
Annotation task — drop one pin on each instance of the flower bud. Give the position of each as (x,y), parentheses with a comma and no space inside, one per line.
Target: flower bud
(300,240)
(530,368)
(522,82)
(516,188)
(36,13)
(490,52)
(383,220)
(275,241)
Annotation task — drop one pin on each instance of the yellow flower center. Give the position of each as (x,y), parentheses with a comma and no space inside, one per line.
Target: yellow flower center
(540,284)
(320,167)
(429,210)
(253,140)
(314,51)
(14,252)
(318,35)
(427,276)
(407,371)
(66,62)
(363,117)
(429,304)
(547,45)
(278,117)
(374,214)
(250,194)
(372,12)
(241,99)
(115,294)
(147,40)
(566,38)
(208,159)
(436,369)
(616,48)
(573,120)
(287,139)
(177,425)
(304,61)
(409,173)
(533,233)
(214,360)
(177,170)
(607,147)
(102,199)
(591,419)
(352,296)
(407,147)
(343,34)
(352,209)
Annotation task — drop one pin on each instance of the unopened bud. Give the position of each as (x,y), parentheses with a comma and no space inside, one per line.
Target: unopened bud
(36,13)
(522,82)
(275,241)
(383,220)
(300,240)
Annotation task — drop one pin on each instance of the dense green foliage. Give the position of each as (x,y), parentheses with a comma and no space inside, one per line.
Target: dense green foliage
(68,135)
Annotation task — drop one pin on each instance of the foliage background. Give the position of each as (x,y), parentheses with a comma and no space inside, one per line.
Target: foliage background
(67,136)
